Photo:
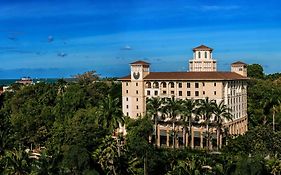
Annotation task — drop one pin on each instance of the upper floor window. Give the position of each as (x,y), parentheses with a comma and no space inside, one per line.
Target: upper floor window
(137,84)
(188,93)
(137,92)
(199,54)
(148,92)
(164,84)
(180,93)
(172,85)
(196,85)
(155,85)
(196,93)
(215,84)
(180,85)
(127,83)
(203,84)
(188,85)
(205,54)
(127,99)
(127,91)
(148,85)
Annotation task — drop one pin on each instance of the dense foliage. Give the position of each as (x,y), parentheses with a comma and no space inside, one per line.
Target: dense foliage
(71,125)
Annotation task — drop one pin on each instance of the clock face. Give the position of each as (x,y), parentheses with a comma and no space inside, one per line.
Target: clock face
(136,75)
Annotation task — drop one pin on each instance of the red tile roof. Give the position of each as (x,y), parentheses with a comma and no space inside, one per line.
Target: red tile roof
(140,62)
(202,47)
(191,76)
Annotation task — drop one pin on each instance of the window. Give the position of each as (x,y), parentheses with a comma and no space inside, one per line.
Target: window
(172,92)
(188,85)
(127,91)
(164,85)
(137,99)
(188,93)
(148,92)
(196,93)
(196,85)
(155,85)
(127,106)
(164,92)
(180,85)
(155,92)
(137,92)
(127,113)
(172,85)
(180,93)
(205,54)
(199,55)
(137,114)
(126,83)
(127,99)
(215,92)
(215,84)
(148,85)
(137,107)
(203,84)
(137,84)
(203,92)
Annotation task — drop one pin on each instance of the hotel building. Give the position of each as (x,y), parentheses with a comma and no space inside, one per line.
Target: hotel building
(201,81)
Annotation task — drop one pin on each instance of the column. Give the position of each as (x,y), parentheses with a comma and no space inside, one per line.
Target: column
(158,135)
(201,138)
(192,138)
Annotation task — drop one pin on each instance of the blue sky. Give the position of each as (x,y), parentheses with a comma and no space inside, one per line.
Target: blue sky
(54,38)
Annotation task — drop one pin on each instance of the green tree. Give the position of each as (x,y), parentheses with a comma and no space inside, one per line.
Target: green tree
(172,109)
(153,108)
(110,113)
(255,71)
(138,143)
(221,113)
(205,111)
(189,107)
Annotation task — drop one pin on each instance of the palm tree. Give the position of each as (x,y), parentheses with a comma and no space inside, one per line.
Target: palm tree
(272,104)
(172,108)
(188,108)
(153,107)
(221,112)
(110,113)
(205,111)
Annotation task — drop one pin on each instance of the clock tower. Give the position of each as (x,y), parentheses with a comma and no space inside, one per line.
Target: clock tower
(134,102)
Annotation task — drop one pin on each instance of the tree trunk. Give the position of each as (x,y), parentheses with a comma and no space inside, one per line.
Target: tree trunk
(174,135)
(273,120)
(184,136)
(145,164)
(156,131)
(208,137)
(218,138)
(189,131)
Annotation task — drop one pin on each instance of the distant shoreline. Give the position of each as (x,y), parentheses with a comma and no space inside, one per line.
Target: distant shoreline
(7,82)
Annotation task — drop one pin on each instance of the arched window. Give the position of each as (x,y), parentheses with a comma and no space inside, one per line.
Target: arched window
(205,54)
(148,85)
(164,85)
(155,85)
(172,85)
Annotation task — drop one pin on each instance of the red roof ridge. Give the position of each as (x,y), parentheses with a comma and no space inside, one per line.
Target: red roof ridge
(239,62)
(140,62)
(202,47)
